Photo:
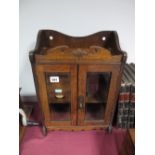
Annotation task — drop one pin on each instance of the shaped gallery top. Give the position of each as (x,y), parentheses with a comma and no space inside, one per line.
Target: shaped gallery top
(53,46)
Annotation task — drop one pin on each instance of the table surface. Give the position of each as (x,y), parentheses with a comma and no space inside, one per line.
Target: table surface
(132,135)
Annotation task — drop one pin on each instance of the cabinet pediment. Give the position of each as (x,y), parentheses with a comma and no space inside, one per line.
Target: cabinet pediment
(65,53)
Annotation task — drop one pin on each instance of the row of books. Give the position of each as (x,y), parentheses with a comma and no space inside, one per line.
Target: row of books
(126,99)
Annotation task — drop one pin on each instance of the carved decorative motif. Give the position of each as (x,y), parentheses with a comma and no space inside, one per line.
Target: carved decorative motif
(64,52)
(79,52)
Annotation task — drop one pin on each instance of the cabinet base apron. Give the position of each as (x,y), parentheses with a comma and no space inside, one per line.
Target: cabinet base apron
(77,128)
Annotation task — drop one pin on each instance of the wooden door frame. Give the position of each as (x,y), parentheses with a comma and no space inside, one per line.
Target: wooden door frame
(40,73)
(115,71)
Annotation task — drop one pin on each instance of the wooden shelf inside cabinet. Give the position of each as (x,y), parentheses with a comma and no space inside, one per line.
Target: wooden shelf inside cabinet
(94,100)
(86,70)
(59,101)
(65,99)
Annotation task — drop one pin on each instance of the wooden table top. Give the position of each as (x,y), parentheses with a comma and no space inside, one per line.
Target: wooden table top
(132,135)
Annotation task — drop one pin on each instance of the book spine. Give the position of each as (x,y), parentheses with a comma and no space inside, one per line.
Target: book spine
(126,106)
(131,120)
(130,73)
(126,101)
(120,106)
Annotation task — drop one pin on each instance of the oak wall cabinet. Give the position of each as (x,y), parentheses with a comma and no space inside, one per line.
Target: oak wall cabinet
(77,79)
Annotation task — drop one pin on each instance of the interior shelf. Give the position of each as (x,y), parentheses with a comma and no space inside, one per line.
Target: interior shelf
(93,100)
(65,99)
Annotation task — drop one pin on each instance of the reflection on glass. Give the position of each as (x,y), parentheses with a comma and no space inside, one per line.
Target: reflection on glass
(97,88)
(59,96)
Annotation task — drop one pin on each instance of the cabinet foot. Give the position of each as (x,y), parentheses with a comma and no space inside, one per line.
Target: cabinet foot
(44,130)
(110,129)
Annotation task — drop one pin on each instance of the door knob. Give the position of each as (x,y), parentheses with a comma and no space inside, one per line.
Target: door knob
(81,102)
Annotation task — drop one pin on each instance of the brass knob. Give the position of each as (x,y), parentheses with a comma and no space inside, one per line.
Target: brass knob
(81,102)
(80,105)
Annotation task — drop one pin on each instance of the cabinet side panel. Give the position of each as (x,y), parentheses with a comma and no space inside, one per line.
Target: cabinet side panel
(112,96)
(42,91)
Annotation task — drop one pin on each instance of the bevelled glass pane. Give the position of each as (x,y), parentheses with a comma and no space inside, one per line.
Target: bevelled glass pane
(97,89)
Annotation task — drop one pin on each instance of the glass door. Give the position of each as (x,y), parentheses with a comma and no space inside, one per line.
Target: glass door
(59,102)
(59,95)
(97,88)
(94,90)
